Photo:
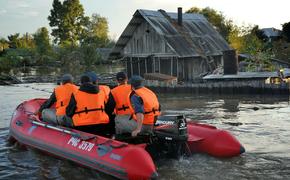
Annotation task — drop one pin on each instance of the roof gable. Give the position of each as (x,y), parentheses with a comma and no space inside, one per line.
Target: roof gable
(196,37)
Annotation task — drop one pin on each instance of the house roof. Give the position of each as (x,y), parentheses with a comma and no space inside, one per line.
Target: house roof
(196,36)
(271,32)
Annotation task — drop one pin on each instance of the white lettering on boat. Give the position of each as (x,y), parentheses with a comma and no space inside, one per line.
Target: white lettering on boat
(87,146)
(74,141)
(165,122)
(84,145)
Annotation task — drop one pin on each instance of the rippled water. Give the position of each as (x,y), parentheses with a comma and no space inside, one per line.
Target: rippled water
(260,123)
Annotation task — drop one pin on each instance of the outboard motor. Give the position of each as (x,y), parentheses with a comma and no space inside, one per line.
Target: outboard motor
(171,133)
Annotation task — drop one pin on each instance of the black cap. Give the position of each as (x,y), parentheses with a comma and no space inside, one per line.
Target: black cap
(121,76)
(136,81)
(85,79)
(94,77)
(67,78)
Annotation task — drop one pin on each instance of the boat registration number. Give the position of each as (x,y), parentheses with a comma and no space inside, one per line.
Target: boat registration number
(83,145)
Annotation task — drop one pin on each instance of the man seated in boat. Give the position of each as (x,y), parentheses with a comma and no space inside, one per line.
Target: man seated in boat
(86,109)
(121,94)
(60,97)
(109,100)
(144,107)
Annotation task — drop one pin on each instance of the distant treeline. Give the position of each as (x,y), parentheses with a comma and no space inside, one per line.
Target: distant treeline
(75,39)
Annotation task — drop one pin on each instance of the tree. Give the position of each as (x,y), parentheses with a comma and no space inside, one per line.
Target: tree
(14,41)
(260,34)
(97,31)
(26,41)
(286,31)
(67,21)
(3,44)
(41,39)
(217,19)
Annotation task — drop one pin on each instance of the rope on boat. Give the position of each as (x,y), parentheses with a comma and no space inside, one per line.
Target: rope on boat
(109,141)
(77,135)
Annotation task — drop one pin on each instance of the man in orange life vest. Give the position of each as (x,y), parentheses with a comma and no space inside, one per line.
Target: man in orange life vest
(109,100)
(60,96)
(144,106)
(121,94)
(87,109)
(95,80)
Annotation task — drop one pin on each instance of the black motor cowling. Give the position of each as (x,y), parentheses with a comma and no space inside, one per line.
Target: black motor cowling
(171,127)
(171,134)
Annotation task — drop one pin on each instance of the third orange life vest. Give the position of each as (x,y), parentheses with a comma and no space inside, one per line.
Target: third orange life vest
(90,109)
(120,94)
(150,103)
(63,94)
(106,90)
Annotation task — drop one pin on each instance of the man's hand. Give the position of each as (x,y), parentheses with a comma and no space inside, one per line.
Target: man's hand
(36,113)
(136,132)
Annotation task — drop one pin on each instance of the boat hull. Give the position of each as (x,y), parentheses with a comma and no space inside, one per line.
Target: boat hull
(115,158)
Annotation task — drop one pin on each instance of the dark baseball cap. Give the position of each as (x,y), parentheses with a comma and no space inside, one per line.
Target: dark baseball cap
(94,77)
(121,76)
(85,79)
(66,78)
(136,81)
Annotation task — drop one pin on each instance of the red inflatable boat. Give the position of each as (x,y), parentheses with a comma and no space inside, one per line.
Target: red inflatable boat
(116,158)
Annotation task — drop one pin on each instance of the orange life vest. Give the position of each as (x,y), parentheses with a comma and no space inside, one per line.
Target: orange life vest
(120,94)
(63,94)
(90,109)
(150,103)
(106,90)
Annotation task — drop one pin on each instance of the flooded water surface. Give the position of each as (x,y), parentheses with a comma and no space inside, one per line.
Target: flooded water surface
(260,123)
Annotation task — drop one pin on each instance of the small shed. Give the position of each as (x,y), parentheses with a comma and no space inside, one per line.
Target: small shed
(186,46)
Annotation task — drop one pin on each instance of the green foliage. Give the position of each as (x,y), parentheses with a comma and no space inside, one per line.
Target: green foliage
(97,31)
(286,31)
(68,22)
(281,49)
(261,61)
(16,58)
(43,48)
(41,39)
(217,19)
(89,55)
(26,41)
(3,44)
(259,34)
(14,40)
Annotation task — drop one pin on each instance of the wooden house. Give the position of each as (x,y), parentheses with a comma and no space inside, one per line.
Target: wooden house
(185,46)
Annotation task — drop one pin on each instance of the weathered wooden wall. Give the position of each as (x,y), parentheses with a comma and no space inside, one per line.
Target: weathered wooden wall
(148,52)
(146,41)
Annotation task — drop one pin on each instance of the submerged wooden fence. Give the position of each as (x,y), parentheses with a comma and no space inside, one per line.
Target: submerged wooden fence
(224,87)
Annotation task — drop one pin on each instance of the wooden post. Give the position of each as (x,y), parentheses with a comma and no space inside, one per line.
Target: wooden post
(177,73)
(159,65)
(183,73)
(127,65)
(139,72)
(131,62)
(171,65)
(153,65)
(145,65)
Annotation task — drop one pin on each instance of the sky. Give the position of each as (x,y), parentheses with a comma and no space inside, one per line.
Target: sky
(21,16)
